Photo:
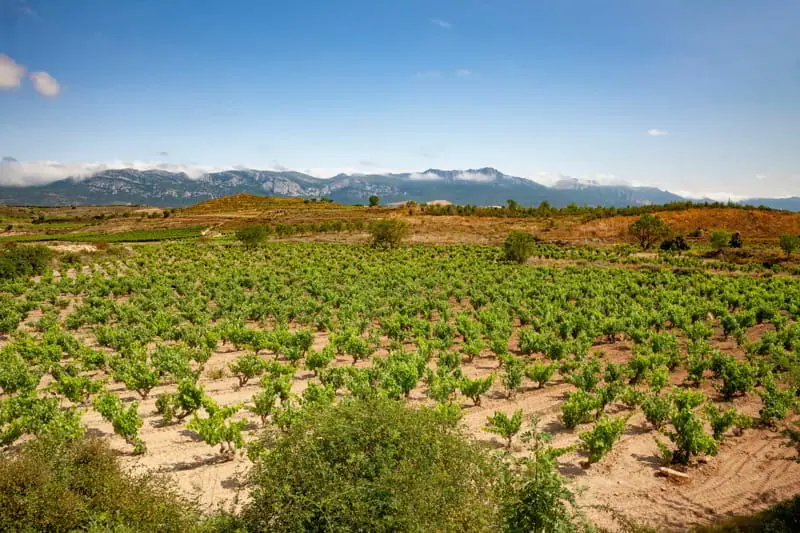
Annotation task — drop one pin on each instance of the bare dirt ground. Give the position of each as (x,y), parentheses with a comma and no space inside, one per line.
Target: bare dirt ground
(750,473)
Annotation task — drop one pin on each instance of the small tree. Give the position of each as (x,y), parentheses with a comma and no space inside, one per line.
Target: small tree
(251,236)
(505,426)
(789,243)
(519,246)
(736,240)
(648,230)
(388,233)
(374,201)
(475,388)
(720,239)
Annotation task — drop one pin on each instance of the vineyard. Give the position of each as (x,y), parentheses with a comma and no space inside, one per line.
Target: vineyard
(185,352)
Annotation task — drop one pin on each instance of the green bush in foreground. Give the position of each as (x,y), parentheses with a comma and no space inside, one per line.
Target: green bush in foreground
(369,466)
(79,485)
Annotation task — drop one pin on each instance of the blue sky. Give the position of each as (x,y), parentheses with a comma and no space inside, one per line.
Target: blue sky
(698,96)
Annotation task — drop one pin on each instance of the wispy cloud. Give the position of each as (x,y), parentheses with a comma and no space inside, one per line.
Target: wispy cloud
(761,176)
(26,173)
(442,24)
(428,74)
(655,132)
(45,84)
(463,73)
(11,73)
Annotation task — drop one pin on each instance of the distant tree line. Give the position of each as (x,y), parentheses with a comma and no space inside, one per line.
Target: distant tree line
(544,209)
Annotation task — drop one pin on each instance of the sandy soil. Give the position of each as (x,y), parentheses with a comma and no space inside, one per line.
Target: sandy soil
(751,471)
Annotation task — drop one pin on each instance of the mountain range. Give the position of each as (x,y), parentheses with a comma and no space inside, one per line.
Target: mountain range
(484,186)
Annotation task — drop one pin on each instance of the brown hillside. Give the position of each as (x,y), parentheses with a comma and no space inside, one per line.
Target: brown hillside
(754,225)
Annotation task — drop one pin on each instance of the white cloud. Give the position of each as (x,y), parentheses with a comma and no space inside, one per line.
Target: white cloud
(716,196)
(45,84)
(429,74)
(655,132)
(424,176)
(761,176)
(475,177)
(442,24)
(11,73)
(463,73)
(26,173)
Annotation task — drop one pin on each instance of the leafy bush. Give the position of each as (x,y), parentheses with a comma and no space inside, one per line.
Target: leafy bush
(505,426)
(126,422)
(513,372)
(789,243)
(657,410)
(519,246)
(775,403)
(60,486)
(689,436)
(738,378)
(388,233)
(677,244)
(366,465)
(475,388)
(578,408)
(252,236)
(218,428)
(247,366)
(23,261)
(601,438)
(540,373)
(185,401)
(720,239)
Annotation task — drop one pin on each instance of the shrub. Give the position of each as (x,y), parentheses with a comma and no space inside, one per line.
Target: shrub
(252,236)
(736,240)
(366,465)
(656,410)
(126,422)
(475,388)
(374,201)
(79,485)
(789,243)
(513,371)
(388,233)
(678,244)
(247,366)
(540,373)
(648,230)
(720,239)
(775,403)
(599,441)
(519,246)
(24,261)
(505,426)
(578,408)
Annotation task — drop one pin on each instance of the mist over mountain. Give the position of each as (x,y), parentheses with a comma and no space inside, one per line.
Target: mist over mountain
(484,186)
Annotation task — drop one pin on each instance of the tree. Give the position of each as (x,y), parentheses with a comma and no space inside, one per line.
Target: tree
(519,246)
(388,233)
(789,243)
(736,240)
(251,236)
(366,465)
(374,201)
(720,239)
(648,230)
